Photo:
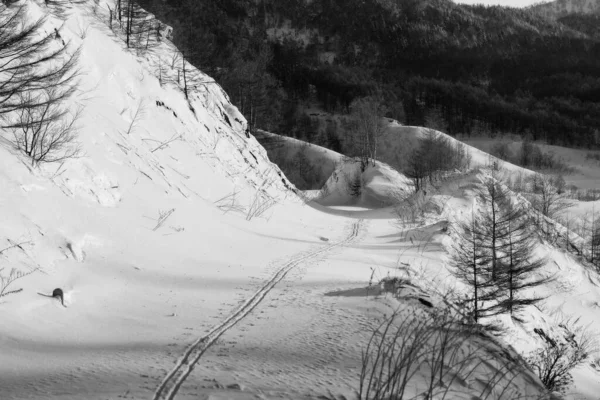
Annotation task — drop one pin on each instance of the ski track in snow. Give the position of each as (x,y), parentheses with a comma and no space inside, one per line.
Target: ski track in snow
(170,385)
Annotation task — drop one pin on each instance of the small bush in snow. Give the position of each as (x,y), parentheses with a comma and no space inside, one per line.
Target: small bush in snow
(259,205)
(554,362)
(391,284)
(429,354)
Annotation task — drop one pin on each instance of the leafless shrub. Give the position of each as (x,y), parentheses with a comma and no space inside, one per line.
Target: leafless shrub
(411,210)
(391,284)
(7,280)
(392,356)
(555,360)
(259,205)
(414,347)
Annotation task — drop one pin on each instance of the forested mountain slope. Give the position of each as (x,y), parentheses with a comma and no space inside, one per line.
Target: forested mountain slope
(456,68)
(563,8)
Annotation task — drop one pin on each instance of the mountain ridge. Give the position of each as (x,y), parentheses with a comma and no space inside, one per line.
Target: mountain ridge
(562,8)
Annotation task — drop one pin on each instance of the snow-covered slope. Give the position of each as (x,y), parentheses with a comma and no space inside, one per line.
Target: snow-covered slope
(378,186)
(400,140)
(290,154)
(189,266)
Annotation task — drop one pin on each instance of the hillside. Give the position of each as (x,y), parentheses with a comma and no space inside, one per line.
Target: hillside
(191,267)
(456,68)
(562,8)
(422,218)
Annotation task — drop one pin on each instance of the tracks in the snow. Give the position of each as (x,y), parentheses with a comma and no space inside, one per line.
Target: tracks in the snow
(172,382)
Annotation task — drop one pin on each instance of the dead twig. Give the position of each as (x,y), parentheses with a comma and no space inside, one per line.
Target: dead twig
(162,218)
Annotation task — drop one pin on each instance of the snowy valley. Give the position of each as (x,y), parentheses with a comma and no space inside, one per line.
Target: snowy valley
(191,267)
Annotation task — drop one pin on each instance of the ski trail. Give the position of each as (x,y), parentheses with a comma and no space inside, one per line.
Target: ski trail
(184,366)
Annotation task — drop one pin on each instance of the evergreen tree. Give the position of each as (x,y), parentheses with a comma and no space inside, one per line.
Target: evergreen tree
(470,262)
(493,254)
(495,215)
(519,266)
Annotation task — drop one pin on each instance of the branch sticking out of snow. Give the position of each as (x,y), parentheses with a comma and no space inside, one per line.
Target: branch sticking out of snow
(162,218)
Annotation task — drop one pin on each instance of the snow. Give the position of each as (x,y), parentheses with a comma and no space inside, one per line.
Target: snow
(381,186)
(587,170)
(399,141)
(192,269)
(326,160)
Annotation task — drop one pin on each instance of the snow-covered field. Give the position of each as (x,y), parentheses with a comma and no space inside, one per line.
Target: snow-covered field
(586,173)
(193,270)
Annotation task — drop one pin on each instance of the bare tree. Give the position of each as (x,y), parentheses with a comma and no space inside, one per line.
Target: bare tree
(46,132)
(434,156)
(547,198)
(142,30)
(367,128)
(32,60)
(161,72)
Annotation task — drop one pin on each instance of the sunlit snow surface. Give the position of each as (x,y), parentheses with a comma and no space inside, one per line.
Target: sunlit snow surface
(140,291)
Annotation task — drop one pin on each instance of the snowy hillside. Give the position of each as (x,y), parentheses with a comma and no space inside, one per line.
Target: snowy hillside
(306,165)
(400,140)
(190,268)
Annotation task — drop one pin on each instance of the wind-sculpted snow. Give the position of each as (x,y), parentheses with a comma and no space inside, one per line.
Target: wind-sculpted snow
(189,266)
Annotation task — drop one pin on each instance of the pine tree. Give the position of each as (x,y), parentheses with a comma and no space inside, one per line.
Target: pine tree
(495,215)
(470,263)
(519,265)
(493,254)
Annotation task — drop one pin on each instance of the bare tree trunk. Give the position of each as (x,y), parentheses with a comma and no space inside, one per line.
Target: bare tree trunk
(185,88)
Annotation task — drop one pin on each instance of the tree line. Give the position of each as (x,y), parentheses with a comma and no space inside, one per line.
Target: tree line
(480,69)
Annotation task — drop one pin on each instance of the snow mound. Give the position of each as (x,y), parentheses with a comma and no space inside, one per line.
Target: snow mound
(399,141)
(290,154)
(379,185)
